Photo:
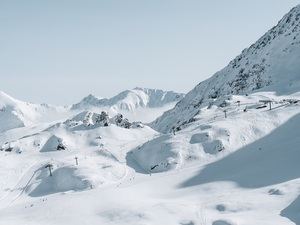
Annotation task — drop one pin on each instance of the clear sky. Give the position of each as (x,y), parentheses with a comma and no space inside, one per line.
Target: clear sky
(58,51)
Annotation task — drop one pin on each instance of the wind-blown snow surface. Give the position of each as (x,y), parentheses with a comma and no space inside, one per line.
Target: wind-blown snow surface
(271,64)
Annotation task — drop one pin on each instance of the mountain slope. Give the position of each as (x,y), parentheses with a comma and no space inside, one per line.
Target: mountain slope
(271,64)
(16,114)
(212,136)
(106,190)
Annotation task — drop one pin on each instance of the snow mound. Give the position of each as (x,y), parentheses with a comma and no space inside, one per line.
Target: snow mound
(63,179)
(54,143)
(199,138)
(270,64)
(157,155)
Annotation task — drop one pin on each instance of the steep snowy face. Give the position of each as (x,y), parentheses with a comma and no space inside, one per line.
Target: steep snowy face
(271,64)
(16,114)
(131,100)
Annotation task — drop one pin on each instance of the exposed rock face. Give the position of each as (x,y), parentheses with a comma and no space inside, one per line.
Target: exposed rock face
(92,119)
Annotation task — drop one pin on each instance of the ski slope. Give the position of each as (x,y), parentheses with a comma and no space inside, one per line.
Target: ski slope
(254,179)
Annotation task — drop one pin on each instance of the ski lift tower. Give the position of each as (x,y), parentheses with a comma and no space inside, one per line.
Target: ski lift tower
(50,167)
(267,102)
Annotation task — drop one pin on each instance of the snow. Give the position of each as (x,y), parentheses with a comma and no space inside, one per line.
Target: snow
(52,144)
(64,179)
(292,211)
(138,104)
(16,114)
(253,180)
(212,136)
(131,99)
(204,168)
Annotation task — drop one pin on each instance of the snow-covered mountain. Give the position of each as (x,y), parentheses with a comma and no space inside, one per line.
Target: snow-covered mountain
(270,64)
(230,160)
(131,100)
(139,104)
(15,113)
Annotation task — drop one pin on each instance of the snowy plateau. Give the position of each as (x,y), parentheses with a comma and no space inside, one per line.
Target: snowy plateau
(226,153)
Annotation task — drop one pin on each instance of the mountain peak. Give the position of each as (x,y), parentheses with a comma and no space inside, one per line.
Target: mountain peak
(131,99)
(90,98)
(139,88)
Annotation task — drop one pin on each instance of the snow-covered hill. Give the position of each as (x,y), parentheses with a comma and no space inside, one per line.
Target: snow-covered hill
(270,64)
(15,113)
(211,136)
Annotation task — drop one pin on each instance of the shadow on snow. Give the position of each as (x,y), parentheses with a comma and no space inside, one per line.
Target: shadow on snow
(271,160)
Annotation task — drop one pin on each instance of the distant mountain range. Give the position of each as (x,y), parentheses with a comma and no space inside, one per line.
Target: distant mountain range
(131,100)
(137,104)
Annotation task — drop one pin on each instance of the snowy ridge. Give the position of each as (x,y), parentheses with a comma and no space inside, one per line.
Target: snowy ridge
(15,113)
(271,64)
(130,100)
(137,104)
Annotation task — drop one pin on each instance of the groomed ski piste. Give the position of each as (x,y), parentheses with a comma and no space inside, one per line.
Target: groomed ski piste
(242,169)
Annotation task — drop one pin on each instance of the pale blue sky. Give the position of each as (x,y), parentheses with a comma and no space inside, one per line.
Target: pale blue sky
(58,51)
